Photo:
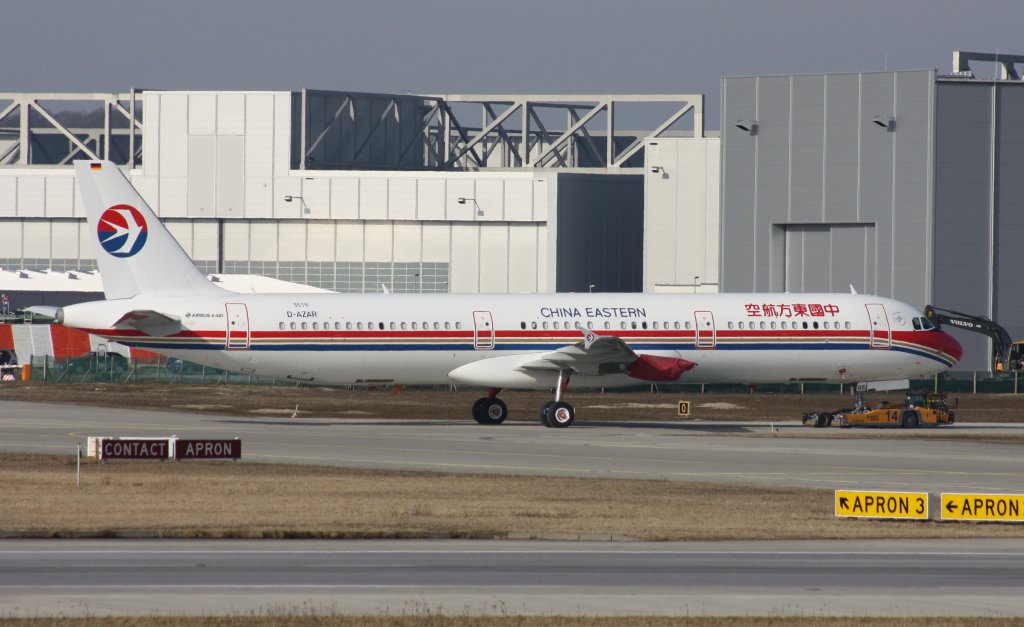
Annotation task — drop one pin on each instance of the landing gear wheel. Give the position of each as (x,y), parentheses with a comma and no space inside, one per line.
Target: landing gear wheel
(544,413)
(478,409)
(495,411)
(490,411)
(561,414)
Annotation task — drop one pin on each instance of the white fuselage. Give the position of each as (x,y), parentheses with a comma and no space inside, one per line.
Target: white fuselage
(340,339)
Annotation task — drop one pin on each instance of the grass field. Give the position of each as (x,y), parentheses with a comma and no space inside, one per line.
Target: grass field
(320,402)
(243,500)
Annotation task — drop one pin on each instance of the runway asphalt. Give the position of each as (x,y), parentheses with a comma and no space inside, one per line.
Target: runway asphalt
(715,452)
(862,578)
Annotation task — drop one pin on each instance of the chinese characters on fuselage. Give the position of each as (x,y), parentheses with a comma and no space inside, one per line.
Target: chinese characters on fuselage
(793,310)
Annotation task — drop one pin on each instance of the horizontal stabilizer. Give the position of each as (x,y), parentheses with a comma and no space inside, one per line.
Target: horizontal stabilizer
(44,311)
(149,322)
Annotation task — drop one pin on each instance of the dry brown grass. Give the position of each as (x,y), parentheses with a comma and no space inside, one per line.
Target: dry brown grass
(211,499)
(316,402)
(439,620)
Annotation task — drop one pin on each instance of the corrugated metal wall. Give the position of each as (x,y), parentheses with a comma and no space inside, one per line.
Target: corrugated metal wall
(979,205)
(821,196)
(827,193)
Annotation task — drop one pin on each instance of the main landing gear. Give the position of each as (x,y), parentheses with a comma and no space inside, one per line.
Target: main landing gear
(490,410)
(558,413)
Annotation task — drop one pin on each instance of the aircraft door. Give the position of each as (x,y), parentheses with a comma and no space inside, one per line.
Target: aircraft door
(879,321)
(483,330)
(705,329)
(237,335)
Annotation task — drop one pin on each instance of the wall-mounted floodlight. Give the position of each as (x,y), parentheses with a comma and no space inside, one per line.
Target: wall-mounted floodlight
(302,203)
(749,126)
(656,169)
(885,121)
(462,200)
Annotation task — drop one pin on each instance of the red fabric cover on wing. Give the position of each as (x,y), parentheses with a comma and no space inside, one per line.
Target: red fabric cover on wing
(654,368)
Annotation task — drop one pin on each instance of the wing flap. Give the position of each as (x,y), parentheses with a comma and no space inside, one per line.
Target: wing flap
(608,354)
(595,355)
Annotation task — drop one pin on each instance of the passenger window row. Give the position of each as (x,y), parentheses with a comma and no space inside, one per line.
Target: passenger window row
(370,326)
(784,324)
(666,325)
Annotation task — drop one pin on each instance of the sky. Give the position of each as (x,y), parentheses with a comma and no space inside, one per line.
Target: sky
(482,46)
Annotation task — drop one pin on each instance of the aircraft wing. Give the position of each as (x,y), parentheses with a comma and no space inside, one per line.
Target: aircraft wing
(149,322)
(594,355)
(607,354)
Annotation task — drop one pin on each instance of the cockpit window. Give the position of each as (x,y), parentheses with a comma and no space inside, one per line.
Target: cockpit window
(923,324)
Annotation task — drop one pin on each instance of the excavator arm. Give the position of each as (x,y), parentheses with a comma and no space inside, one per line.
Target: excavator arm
(1001,340)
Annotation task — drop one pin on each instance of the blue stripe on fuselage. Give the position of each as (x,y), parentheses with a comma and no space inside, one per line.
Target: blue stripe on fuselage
(348,346)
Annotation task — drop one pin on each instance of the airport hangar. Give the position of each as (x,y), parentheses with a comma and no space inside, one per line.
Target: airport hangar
(358,192)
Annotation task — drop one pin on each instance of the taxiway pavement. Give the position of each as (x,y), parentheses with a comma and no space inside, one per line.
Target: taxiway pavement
(812,578)
(684,451)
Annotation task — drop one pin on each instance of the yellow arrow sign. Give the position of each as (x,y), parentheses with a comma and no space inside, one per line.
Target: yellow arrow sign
(859,504)
(1001,507)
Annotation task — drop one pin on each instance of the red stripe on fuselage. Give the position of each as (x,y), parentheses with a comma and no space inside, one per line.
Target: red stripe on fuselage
(937,341)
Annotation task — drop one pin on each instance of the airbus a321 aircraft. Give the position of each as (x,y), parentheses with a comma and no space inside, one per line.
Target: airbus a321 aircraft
(158,300)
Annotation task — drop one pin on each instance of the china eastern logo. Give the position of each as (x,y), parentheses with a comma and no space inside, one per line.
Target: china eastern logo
(122,230)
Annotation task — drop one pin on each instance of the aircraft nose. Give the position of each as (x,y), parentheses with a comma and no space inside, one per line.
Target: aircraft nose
(949,345)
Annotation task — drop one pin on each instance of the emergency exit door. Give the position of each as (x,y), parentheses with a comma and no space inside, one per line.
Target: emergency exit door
(483,330)
(879,321)
(237,334)
(705,329)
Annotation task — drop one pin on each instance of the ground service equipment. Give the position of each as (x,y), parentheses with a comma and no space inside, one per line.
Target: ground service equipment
(919,409)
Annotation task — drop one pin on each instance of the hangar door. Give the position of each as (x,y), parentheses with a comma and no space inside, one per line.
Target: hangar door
(824,258)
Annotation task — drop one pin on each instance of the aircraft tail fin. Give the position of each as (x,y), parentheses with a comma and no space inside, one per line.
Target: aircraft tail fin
(136,254)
